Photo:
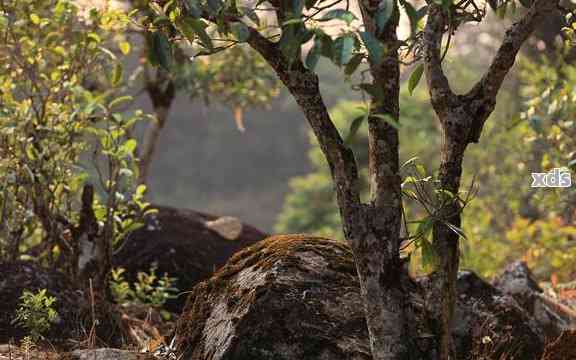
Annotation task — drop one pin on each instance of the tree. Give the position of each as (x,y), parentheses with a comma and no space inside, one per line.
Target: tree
(373,228)
(251,83)
(59,137)
(311,206)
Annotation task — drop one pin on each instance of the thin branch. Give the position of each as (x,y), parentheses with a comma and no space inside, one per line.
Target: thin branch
(440,92)
(303,85)
(516,35)
(483,94)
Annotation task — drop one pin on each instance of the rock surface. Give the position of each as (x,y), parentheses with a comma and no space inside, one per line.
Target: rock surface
(105,354)
(552,317)
(563,348)
(297,297)
(287,297)
(185,244)
(491,325)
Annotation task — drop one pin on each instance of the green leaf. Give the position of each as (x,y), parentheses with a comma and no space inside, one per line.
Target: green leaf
(117,74)
(297,7)
(343,47)
(292,22)
(162,21)
(429,258)
(291,40)
(162,50)
(35,19)
(327,45)
(314,54)
(535,123)
(374,47)
(423,11)
(424,228)
(446,4)
(199,28)
(415,78)
(339,14)
(384,13)
(412,16)
(354,127)
(128,147)
(572,165)
(353,64)
(119,100)
(289,44)
(214,6)
(240,31)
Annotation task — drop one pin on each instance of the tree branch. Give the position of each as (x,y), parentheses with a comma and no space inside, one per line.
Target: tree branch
(483,94)
(441,95)
(303,85)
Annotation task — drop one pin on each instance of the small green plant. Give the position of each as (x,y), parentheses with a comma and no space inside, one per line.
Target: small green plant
(27,346)
(36,313)
(149,289)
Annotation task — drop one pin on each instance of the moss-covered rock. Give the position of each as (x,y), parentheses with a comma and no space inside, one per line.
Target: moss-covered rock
(295,297)
(287,297)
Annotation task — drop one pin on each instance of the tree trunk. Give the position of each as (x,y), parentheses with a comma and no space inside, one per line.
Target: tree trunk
(148,148)
(373,229)
(161,91)
(445,239)
(462,118)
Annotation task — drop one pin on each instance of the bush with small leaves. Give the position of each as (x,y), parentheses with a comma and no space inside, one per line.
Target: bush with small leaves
(36,313)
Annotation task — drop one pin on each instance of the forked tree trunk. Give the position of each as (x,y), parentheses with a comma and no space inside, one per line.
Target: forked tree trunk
(462,118)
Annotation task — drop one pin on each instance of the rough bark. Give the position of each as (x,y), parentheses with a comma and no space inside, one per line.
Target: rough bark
(378,252)
(373,229)
(462,118)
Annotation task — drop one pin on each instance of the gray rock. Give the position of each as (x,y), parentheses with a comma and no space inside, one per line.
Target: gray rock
(297,297)
(106,354)
(552,317)
(283,298)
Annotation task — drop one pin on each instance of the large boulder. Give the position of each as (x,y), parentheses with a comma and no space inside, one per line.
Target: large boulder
(185,244)
(287,297)
(298,297)
(489,324)
(553,317)
(23,275)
